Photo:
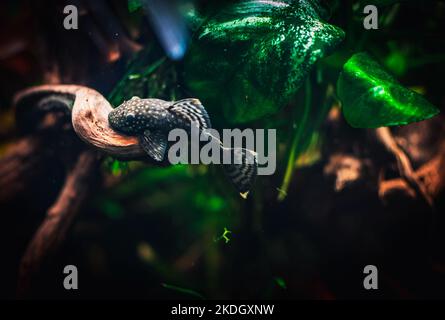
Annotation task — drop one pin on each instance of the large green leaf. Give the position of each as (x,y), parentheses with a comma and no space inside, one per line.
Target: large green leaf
(372,98)
(250,59)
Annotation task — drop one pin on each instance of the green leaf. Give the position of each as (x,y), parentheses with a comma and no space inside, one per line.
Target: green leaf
(134,5)
(372,98)
(249,60)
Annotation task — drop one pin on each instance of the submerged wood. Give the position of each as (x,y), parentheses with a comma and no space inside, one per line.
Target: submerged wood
(90,119)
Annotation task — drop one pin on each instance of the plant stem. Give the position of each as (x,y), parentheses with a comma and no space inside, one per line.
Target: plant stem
(296,142)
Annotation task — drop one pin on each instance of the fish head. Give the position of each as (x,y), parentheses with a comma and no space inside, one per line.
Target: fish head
(125,118)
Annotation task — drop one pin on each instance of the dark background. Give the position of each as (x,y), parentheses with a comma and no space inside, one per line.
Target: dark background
(145,226)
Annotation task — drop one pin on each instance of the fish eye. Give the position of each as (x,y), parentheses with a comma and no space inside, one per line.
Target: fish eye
(129,117)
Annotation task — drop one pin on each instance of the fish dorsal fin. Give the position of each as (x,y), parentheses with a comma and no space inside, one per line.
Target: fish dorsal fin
(191,110)
(154,143)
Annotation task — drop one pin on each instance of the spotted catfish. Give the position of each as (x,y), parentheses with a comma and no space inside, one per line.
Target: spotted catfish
(152,119)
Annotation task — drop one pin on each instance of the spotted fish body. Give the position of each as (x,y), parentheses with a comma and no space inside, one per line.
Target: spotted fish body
(152,119)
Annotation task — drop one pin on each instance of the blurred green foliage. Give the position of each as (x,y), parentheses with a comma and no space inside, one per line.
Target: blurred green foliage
(134,5)
(249,60)
(246,63)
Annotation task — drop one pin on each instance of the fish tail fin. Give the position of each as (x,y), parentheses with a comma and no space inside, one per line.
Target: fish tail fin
(242,170)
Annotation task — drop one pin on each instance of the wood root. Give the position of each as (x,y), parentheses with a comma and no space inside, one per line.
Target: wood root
(60,215)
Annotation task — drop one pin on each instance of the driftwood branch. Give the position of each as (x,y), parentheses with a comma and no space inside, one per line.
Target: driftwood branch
(89,117)
(404,164)
(18,167)
(26,160)
(431,174)
(59,217)
(88,111)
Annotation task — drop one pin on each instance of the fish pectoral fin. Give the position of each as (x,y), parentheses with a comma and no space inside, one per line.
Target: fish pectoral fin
(154,143)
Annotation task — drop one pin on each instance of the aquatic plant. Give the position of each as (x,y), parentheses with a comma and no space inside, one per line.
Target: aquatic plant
(372,98)
(248,59)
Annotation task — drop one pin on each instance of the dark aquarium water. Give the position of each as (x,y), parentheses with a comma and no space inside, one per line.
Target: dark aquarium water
(245,149)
